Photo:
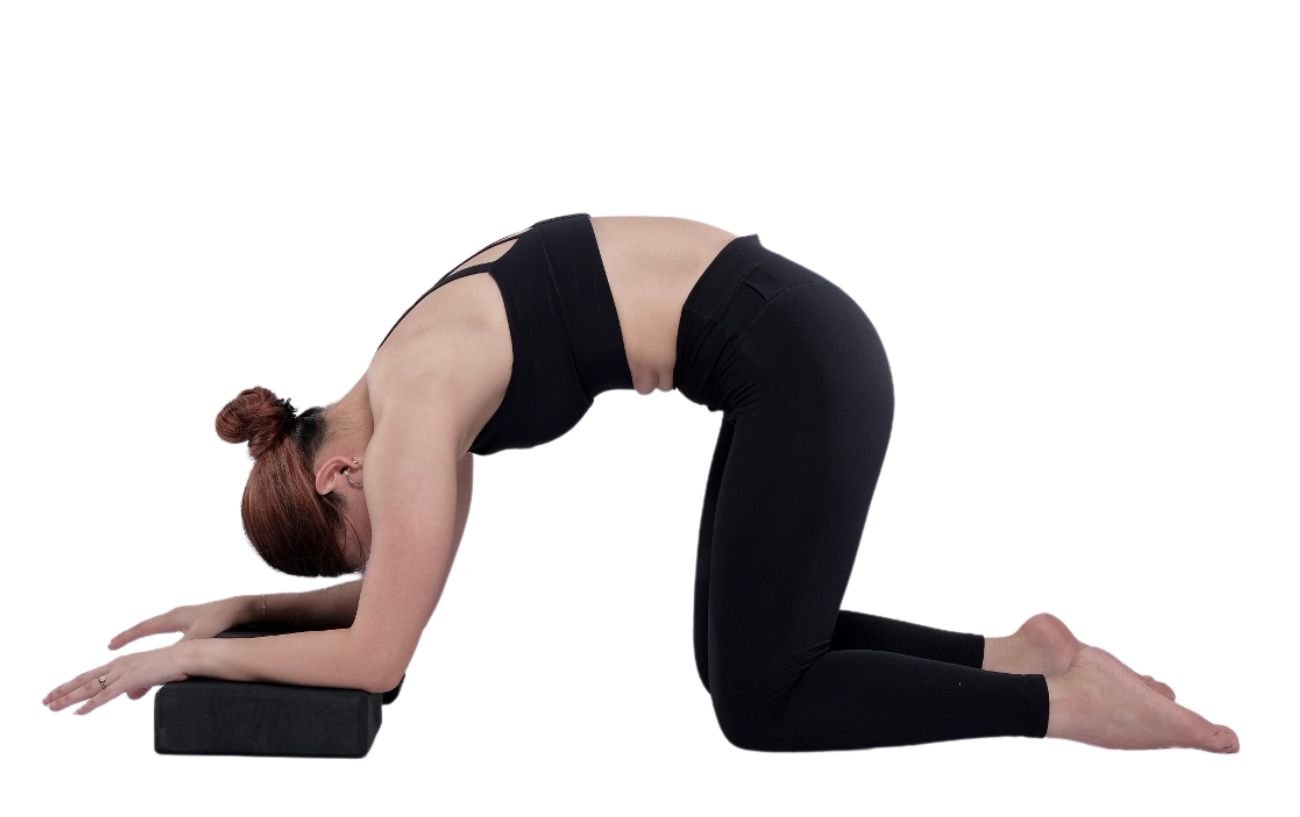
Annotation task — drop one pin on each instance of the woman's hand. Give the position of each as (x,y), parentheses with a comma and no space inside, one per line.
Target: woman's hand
(136,672)
(191,620)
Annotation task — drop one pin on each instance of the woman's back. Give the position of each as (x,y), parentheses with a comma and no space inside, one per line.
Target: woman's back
(568,308)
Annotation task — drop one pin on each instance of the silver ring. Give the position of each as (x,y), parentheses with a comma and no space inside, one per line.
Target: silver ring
(103,682)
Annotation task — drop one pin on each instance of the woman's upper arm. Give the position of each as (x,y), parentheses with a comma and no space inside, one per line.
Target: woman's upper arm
(464,492)
(411,491)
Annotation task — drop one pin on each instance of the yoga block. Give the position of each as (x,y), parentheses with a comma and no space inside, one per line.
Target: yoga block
(214,716)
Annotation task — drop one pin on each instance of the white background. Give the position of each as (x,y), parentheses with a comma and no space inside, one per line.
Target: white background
(1074,226)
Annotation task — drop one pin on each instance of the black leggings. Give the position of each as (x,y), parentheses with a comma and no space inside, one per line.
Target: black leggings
(807,398)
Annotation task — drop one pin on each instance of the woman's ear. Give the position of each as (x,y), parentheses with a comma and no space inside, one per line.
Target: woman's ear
(330,473)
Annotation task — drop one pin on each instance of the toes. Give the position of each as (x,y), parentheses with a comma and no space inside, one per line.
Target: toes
(1222,739)
(1163,689)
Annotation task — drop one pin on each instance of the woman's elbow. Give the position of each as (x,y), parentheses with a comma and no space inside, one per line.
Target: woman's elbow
(385,675)
(381,682)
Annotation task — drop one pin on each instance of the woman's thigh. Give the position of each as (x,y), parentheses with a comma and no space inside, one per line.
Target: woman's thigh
(809,392)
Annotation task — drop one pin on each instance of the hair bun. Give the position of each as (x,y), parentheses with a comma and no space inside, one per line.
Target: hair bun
(257,417)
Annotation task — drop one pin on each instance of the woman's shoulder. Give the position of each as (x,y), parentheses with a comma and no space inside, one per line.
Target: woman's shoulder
(458,367)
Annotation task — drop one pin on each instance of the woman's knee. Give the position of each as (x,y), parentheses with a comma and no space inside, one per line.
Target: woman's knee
(747,723)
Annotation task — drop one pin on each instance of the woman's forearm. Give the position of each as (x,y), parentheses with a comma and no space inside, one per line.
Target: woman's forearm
(328,658)
(329,608)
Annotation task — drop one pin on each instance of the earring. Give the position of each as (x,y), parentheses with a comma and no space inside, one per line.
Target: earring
(348,478)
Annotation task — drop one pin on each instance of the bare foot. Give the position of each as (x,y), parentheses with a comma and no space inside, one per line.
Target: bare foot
(1097,700)
(1043,644)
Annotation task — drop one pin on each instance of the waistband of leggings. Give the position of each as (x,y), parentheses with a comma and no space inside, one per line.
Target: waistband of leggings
(716,310)
(724,274)
(585,301)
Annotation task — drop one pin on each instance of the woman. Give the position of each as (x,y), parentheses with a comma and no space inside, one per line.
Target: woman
(379,483)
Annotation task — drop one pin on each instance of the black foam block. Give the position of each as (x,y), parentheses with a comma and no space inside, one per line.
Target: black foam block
(214,716)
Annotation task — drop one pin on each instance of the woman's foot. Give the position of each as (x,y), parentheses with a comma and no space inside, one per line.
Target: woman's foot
(1100,701)
(1044,645)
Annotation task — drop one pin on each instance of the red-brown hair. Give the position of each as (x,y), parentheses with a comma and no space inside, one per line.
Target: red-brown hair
(295,529)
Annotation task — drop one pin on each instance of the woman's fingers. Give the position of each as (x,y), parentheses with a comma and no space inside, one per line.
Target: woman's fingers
(67,693)
(162,623)
(98,697)
(130,675)
(81,693)
(62,689)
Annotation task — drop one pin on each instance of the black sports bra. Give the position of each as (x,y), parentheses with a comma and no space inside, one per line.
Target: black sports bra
(564,331)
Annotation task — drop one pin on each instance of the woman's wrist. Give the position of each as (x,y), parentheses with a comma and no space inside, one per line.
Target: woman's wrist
(250,609)
(189,655)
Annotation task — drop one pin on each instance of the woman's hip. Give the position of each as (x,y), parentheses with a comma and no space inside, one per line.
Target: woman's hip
(760,329)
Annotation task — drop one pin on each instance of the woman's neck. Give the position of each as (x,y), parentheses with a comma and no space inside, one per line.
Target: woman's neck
(350,421)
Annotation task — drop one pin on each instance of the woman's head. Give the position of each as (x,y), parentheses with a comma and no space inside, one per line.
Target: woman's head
(295,527)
